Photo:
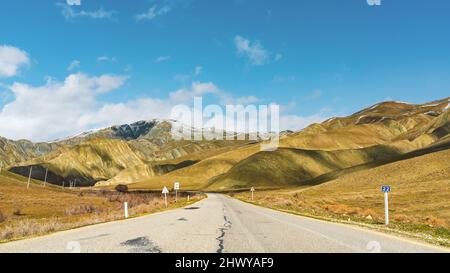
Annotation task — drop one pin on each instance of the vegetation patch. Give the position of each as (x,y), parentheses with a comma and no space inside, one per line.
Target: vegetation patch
(42,210)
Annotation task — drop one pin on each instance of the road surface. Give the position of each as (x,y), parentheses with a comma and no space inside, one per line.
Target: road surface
(218,224)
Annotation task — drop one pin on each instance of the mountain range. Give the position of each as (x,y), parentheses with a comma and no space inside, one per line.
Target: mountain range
(145,156)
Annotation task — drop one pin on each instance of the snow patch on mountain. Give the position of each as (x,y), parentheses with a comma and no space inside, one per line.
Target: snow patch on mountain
(80,135)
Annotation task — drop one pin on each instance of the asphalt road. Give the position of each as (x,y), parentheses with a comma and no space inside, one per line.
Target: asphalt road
(218,224)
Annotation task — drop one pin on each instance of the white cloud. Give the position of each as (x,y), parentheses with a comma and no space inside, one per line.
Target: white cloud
(70,13)
(255,52)
(121,113)
(55,109)
(198,70)
(11,59)
(106,59)
(295,122)
(161,59)
(74,64)
(74,2)
(226,98)
(184,78)
(184,95)
(152,13)
(278,57)
(247,100)
(106,83)
(60,109)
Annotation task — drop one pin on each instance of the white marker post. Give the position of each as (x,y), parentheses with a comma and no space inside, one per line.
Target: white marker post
(165,191)
(29,178)
(386,190)
(252,190)
(176,186)
(125,207)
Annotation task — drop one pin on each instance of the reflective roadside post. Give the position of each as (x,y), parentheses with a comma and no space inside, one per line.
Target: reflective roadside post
(252,190)
(386,189)
(125,206)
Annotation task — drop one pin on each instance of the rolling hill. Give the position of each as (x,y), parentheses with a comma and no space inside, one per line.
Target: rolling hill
(379,133)
(332,169)
(116,155)
(418,201)
(144,154)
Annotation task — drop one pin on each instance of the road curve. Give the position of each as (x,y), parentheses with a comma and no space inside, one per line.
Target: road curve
(218,224)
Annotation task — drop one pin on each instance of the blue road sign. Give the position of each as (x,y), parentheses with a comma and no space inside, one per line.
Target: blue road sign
(385,188)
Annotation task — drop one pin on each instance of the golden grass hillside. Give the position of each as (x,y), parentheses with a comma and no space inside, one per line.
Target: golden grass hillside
(195,176)
(93,160)
(378,133)
(40,210)
(381,131)
(156,170)
(294,167)
(114,161)
(419,201)
(144,154)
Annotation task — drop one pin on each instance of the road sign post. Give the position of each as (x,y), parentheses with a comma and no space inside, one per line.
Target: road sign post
(165,191)
(252,190)
(386,190)
(176,186)
(125,207)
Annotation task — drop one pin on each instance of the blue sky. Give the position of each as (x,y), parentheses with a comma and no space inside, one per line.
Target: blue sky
(316,58)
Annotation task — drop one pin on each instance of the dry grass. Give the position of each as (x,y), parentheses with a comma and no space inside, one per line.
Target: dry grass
(40,211)
(194,177)
(80,210)
(418,201)
(2,217)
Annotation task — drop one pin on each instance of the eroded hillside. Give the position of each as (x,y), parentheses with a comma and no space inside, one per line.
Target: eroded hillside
(145,155)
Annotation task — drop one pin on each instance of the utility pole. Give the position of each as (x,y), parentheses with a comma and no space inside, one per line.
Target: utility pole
(45,179)
(29,177)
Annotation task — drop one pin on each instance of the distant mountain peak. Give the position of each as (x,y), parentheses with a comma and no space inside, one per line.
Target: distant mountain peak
(133,130)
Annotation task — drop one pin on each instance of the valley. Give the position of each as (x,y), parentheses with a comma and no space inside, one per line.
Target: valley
(333,170)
